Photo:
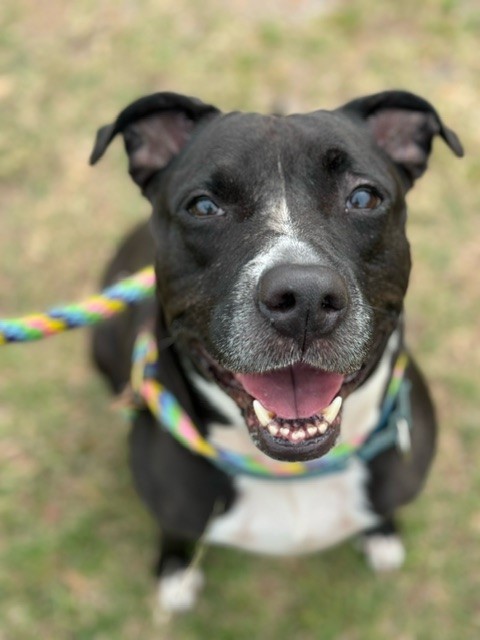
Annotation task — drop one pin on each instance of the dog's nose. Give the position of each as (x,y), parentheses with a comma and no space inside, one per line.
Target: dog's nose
(303,302)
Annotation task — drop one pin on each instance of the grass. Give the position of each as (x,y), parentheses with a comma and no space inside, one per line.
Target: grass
(75,543)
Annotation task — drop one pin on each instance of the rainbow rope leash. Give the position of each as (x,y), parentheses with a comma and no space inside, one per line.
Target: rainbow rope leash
(171,416)
(109,302)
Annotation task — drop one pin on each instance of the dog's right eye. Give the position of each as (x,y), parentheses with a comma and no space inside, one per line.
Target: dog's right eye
(363,199)
(203,207)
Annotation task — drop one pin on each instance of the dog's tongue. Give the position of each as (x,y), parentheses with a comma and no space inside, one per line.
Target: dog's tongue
(299,391)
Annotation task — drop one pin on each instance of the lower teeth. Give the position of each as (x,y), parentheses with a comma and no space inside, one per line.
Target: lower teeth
(297,432)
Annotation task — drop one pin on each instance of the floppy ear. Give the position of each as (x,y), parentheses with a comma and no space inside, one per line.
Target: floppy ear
(155,129)
(403,125)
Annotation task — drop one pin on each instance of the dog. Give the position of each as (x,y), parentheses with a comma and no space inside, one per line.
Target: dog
(281,264)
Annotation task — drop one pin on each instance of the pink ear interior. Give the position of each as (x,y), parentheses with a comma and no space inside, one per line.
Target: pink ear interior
(406,136)
(152,142)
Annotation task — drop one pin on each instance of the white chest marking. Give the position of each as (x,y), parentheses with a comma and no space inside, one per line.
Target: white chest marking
(296,516)
(361,410)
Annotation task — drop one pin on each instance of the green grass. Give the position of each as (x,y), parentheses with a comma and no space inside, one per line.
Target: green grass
(75,543)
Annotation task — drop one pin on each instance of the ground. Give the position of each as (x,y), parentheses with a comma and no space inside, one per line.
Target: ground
(75,543)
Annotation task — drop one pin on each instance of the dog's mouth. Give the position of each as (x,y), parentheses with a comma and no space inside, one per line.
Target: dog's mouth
(293,413)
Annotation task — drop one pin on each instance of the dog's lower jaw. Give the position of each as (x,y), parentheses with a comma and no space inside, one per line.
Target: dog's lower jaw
(294,440)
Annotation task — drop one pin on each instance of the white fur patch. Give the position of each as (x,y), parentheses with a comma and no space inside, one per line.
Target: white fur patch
(178,592)
(295,516)
(361,410)
(384,552)
(282,248)
(216,397)
(279,219)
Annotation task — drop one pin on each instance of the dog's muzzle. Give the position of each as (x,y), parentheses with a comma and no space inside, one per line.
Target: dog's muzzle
(287,351)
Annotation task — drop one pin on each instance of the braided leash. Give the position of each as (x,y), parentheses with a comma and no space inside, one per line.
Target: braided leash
(109,302)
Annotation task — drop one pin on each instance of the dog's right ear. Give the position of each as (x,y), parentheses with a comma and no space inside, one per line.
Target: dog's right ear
(155,129)
(404,126)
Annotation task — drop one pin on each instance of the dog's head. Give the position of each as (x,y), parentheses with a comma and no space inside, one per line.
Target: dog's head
(282,260)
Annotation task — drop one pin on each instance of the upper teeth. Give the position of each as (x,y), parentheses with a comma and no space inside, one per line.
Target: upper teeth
(264,416)
(331,412)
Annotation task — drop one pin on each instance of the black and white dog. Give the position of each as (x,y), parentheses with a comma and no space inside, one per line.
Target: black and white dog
(281,265)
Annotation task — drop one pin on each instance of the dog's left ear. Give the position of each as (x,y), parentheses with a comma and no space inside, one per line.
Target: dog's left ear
(155,129)
(403,125)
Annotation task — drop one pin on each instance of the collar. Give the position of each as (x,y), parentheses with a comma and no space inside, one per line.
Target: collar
(393,427)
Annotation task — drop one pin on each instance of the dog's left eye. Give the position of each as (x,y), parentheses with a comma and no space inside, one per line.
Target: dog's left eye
(363,198)
(203,207)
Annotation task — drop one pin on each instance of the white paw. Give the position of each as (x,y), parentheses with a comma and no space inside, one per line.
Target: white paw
(178,591)
(384,553)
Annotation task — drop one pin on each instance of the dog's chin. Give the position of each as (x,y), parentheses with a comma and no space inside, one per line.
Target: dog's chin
(288,421)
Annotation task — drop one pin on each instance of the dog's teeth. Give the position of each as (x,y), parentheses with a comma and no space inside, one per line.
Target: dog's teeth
(331,412)
(322,427)
(312,431)
(264,416)
(298,434)
(284,431)
(273,429)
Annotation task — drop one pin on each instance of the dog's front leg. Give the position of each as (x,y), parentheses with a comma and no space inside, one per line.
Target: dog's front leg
(397,476)
(184,492)
(180,578)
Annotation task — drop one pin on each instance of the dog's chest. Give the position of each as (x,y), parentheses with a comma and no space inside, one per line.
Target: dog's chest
(295,516)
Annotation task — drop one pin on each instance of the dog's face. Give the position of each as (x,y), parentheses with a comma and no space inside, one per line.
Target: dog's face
(282,261)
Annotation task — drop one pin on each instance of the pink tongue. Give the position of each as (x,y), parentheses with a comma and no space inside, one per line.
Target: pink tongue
(300,391)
